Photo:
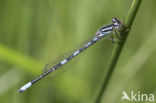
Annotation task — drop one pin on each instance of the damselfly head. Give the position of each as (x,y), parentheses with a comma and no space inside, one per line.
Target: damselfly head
(116,22)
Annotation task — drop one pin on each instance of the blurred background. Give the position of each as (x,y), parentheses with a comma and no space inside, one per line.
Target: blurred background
(35,32)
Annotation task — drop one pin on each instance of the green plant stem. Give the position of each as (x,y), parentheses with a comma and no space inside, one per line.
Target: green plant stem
(118,48)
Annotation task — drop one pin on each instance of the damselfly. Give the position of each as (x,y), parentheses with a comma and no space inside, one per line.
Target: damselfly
(107,30)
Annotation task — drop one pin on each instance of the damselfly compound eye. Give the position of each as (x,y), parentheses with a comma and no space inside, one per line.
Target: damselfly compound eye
(116,22)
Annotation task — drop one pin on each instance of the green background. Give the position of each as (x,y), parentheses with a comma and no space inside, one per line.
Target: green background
(35,32)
